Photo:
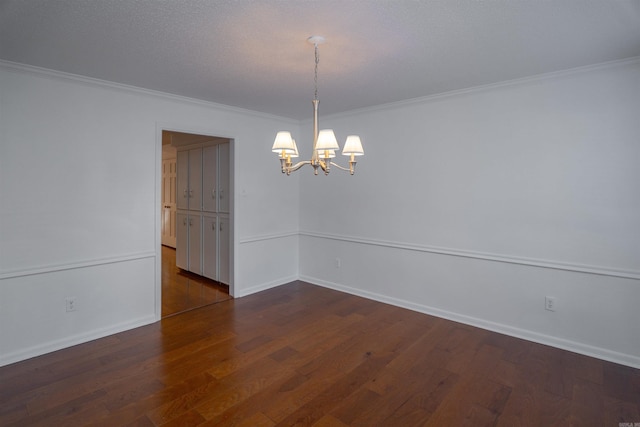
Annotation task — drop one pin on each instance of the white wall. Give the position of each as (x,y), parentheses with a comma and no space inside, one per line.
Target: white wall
(471,206)
(476,205)
(79,210)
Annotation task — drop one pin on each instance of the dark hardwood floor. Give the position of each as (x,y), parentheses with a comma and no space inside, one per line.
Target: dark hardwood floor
(304,355)
(182,290)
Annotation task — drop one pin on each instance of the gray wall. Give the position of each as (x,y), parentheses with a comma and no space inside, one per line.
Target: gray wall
(475,205)
(80,188)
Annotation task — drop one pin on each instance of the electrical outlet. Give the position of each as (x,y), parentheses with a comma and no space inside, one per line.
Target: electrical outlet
(550,303)
(338,263)
(71,303)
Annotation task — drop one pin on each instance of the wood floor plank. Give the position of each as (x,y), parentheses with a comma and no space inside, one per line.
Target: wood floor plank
(278,399)
(243,384)
(314,410)
(183,402)
(300,354)
(144,405)
(256,420)
(308,388)
(357,406)
(329,421)
(426,398)
(183,290)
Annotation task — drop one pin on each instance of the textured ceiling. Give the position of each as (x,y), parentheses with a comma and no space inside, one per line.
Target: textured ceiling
(254,54)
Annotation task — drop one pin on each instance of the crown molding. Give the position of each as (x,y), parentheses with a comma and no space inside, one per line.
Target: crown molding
(93,82)
(487,87)
(15,66)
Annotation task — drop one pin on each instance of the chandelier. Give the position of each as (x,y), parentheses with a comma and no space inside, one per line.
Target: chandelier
(325,144)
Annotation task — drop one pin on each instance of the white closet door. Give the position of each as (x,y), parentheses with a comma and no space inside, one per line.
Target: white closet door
(223,178)
(210,247)
(195,179)
(209,181)
(223,248)
(203,189)
(182,241)
(195,252)
(182,181)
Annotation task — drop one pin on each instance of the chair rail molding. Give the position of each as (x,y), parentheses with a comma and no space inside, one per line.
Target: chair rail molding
(511,259)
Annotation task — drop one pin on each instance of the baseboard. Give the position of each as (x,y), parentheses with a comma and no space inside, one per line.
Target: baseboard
(264,286)
(573,346)
(48,347)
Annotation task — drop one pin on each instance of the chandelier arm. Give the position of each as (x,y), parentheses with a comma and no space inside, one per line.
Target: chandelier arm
(340,167)
(298,165)
(351,169)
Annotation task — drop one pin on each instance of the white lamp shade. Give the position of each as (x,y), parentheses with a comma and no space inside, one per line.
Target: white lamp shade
(353,145)
(326,141)
(284,141)
(295,150)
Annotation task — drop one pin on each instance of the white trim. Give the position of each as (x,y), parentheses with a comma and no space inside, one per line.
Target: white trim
(264,286)
(65,342)
(211,132)
(93,82)
(214,133)
(196,130)
(15,66)
(511,259)
(487,87)
(273,236)
(157,225)
(75,265)
(576,347)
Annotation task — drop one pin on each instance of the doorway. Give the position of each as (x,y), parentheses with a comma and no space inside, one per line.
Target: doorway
(183,290)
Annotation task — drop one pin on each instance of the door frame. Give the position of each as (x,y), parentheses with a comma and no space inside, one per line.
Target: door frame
(216,133)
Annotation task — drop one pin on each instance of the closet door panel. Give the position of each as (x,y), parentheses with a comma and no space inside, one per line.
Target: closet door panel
(195,250)
(223,248)
(195,179)
(223,178)
(209,247)
(209,181)
(182,180)
(182,241)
